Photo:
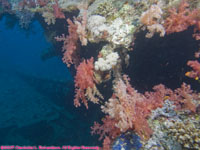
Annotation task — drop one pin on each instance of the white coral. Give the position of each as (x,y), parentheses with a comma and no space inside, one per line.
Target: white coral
(96,25)
(120,32)
(107,63)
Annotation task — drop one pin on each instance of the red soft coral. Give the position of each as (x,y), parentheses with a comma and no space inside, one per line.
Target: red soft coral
(57,10)
(184,98)
(129,108)
(106,143)
(107,131)
(180,19)
(70,46)
(108,128)
(83,80)
(156,98)
(42,3)
(195,73)
(85,84)
(196,34)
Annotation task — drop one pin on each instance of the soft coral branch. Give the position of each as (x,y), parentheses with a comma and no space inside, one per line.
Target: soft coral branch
(129,108)
(184,98)
(196,34)
(107,131)
(180,19)
(70,46)
(85,84)
(57,10)
(108,128)
(195,73)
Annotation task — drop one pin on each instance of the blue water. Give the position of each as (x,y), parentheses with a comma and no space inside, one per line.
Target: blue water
(21,51)
(36,96)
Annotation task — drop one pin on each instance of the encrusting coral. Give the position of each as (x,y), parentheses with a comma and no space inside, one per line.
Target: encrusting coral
(186,132)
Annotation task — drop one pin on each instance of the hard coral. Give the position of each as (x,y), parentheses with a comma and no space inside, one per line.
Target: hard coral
(186,131)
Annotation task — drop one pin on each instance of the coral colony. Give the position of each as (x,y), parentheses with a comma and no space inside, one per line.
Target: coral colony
(159,119)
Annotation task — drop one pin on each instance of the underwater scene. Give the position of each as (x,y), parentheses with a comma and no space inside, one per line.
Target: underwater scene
(100,74)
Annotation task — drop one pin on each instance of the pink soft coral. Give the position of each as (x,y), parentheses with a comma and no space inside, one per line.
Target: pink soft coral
(106,143)
(196,34)
(57,10)
(70,46)
(130,109)
(85,84)
(195,73)
(107,131)
(180,19)
(184,98)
